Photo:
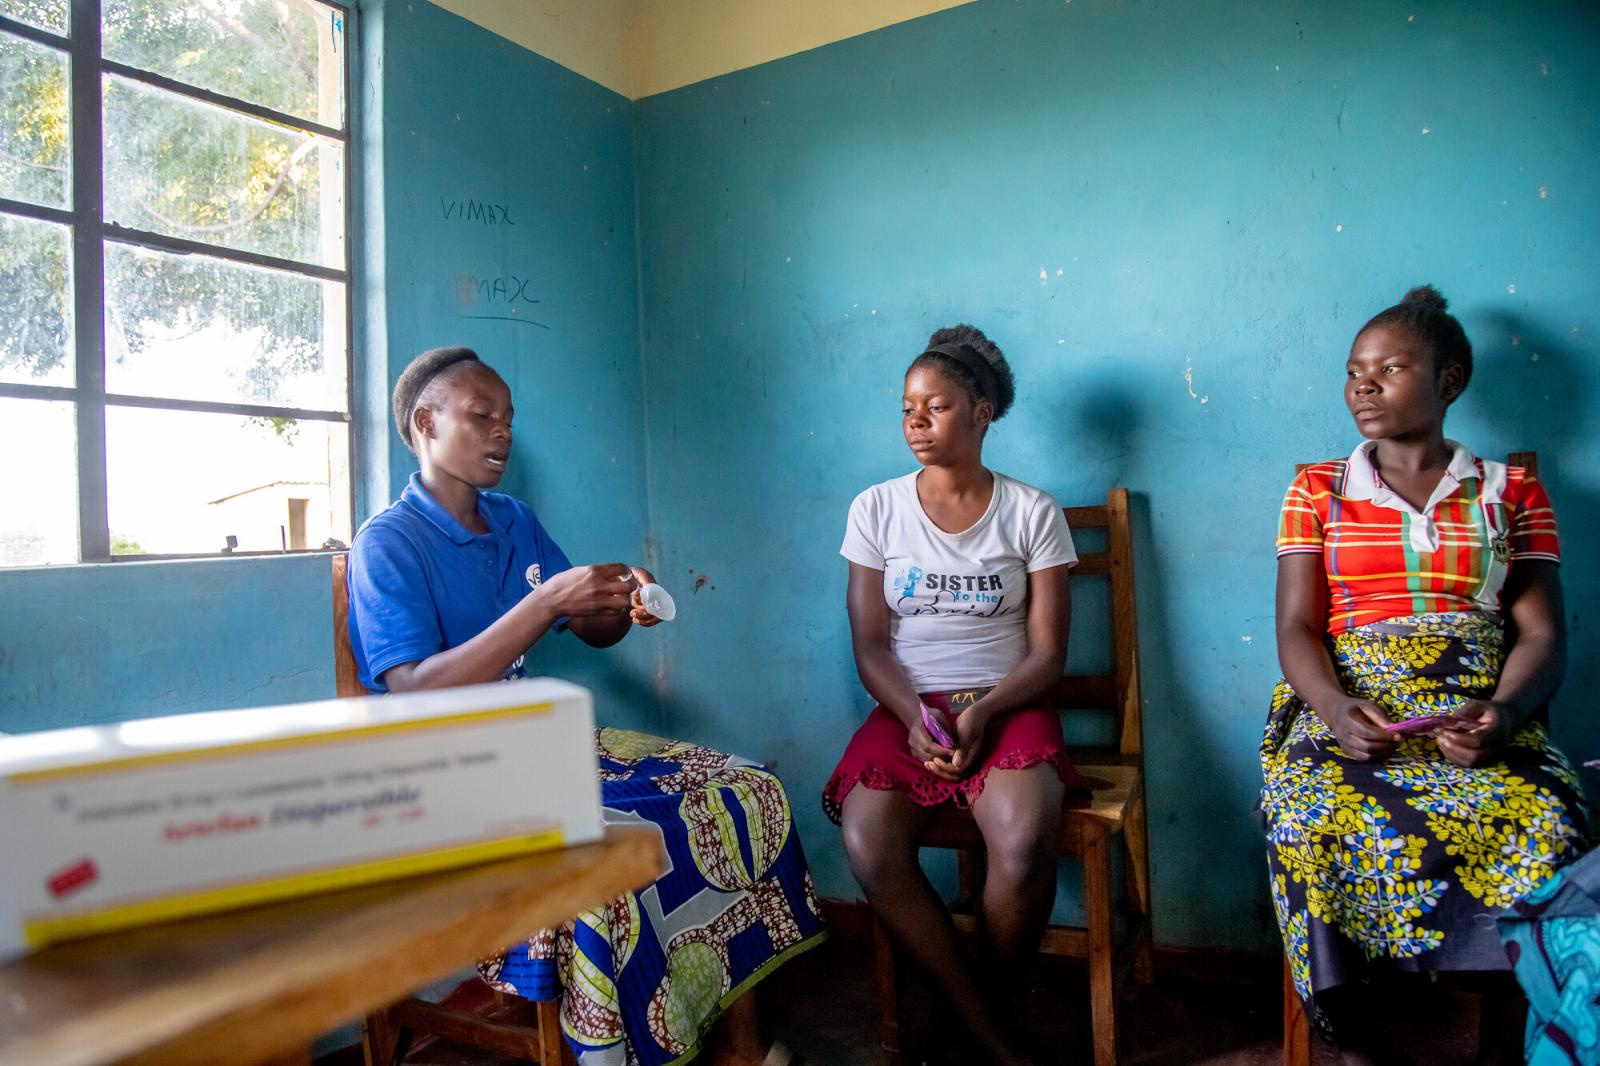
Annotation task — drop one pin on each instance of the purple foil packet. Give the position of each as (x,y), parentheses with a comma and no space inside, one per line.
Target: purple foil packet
(936,729)
(1421,725)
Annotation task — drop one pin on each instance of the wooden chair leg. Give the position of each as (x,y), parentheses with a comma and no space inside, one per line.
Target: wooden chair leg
(1102,974)
(380,1039)
(1136,857)
(888,989)
(1296,1026)
(553,1047)
(969,881)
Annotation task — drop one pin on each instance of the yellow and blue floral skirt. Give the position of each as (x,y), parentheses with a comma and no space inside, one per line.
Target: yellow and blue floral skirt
(1403,864)
(642,979)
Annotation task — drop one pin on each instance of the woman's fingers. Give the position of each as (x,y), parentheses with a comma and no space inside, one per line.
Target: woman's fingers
(1372,719)
(1362,735)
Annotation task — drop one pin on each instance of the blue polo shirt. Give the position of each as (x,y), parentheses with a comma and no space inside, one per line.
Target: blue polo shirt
(420,582)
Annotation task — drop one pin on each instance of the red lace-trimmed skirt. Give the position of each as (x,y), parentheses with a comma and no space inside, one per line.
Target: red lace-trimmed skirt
(878,758)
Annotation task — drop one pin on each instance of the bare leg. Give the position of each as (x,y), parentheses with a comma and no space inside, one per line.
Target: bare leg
(880,830)
(1019,814)
(738,1037)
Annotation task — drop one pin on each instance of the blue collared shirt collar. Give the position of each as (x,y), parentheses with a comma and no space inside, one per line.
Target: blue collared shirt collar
(431,509)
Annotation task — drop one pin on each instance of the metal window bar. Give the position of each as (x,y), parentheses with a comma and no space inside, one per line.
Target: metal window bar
(87,70)
(34,33)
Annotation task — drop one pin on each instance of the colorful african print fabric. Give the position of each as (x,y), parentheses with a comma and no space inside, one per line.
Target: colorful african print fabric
(1402,864)
(1386,559)
(643,979)
(1553,939)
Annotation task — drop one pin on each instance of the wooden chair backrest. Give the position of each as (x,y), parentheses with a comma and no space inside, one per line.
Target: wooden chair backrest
(1118,692)
(346,675)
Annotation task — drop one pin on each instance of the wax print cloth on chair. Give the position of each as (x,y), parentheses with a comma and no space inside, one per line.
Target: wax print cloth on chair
(1553,939)
(642,979)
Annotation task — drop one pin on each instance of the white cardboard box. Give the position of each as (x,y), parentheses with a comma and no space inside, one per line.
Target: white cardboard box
(104,827)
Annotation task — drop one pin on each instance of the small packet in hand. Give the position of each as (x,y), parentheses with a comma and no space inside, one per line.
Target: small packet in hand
(931,721)
(1421,725)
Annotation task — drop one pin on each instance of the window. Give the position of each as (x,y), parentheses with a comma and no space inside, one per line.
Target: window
(174,278)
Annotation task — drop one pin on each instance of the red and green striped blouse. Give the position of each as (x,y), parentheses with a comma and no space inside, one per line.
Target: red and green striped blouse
(1386,559)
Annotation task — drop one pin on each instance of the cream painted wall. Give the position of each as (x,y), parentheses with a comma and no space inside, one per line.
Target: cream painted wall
(642,47)
(589,37)
(679,42)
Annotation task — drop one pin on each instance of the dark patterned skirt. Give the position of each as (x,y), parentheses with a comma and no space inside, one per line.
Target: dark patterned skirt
(1404,864)
(642,979)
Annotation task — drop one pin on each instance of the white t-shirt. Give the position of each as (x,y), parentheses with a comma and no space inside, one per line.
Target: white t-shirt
(957,601)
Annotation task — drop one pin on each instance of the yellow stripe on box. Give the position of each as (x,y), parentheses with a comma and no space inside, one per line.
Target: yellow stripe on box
(133,762)
(45,931)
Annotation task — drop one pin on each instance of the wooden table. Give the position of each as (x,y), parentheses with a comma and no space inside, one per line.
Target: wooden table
(259,985)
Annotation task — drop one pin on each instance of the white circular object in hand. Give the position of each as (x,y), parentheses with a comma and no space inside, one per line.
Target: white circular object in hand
(658,602)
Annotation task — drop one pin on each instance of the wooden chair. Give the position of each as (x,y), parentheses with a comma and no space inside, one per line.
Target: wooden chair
(1296,1026)
(1115,773)
(501,1028)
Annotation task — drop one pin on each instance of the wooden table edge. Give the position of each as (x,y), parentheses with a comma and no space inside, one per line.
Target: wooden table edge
(242,1014)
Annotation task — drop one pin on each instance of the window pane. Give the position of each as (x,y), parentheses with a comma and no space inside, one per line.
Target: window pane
(35,126)
(184,482)
(39,523)
(191,170)
(205,329)
(284,54)
(35,302)
(45,14)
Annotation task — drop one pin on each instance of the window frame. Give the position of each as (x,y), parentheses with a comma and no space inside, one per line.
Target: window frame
(91,235)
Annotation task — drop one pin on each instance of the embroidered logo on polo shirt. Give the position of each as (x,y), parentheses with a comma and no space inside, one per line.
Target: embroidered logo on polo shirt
(535,577)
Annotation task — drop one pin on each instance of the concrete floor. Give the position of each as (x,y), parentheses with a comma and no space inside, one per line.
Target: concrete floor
(823,1005)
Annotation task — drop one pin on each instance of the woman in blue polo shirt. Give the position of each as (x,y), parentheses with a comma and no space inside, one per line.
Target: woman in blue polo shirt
(451,585)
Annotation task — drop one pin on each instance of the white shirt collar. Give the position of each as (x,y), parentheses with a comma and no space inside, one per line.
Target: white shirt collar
(1362,482)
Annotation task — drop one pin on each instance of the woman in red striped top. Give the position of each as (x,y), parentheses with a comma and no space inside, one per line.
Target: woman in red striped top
(1411,791)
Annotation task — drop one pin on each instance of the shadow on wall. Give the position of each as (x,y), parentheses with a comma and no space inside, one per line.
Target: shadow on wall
(1112,433)
(1547,410)
(1105,422)
(1186,837)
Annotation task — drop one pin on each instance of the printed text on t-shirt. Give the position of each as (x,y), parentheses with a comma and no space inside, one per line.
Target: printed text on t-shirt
(953,593)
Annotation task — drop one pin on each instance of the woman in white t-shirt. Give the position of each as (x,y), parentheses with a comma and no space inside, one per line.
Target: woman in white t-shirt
(958,616)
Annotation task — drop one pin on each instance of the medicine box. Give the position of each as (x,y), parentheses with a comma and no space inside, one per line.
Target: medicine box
(105,827)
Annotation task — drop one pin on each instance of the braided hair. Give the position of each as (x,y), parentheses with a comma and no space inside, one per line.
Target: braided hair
(414,380)
(1425,314)
(964,355)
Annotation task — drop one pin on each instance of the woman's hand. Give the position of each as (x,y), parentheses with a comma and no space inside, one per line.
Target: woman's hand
(1479,736)
(607,589)
(1359,726)
(971,726)
(929,752)
(639,613)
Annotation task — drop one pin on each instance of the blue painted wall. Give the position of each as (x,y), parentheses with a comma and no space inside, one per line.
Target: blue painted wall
(82,645)
(474,127)
(456,119)
(1173,217)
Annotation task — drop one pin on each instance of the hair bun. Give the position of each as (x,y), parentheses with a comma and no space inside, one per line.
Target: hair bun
(1425,297)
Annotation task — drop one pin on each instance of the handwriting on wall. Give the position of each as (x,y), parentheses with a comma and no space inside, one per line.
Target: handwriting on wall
(503,297)
(480,212)
(494,289)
